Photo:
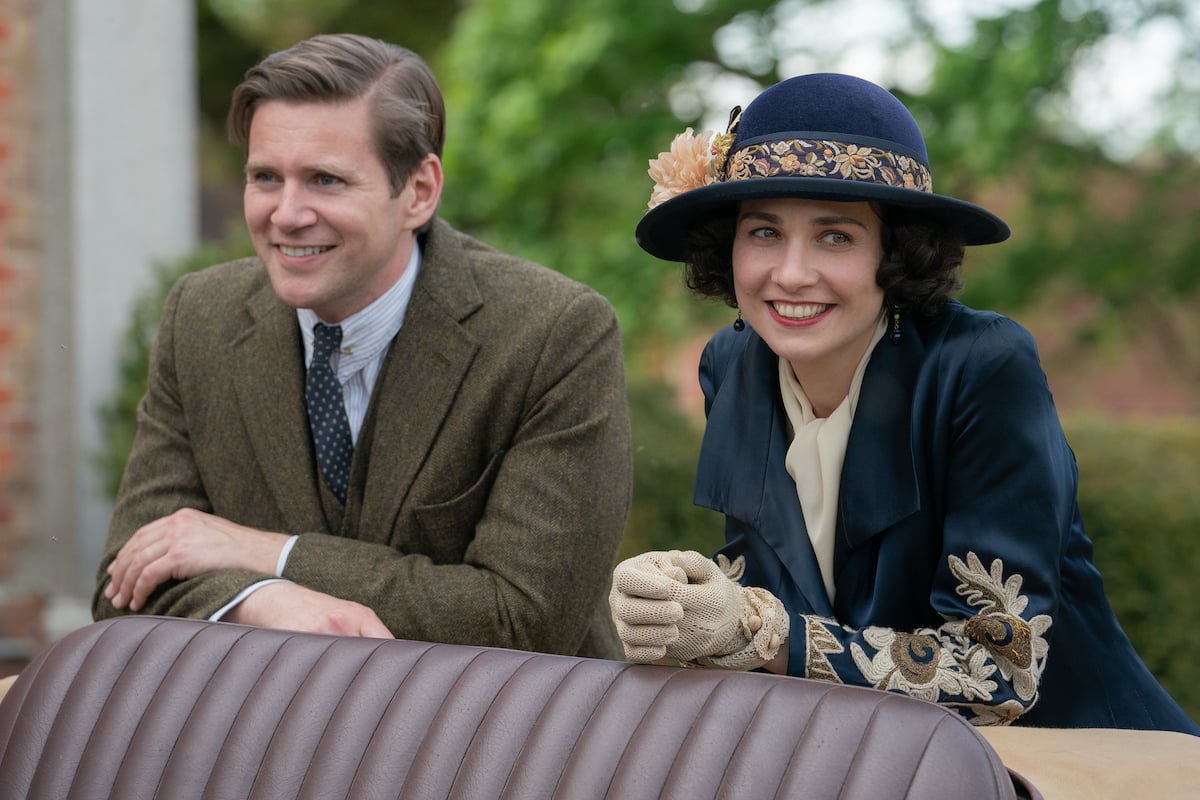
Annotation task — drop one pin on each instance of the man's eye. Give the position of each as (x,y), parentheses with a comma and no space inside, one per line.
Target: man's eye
(261,177)
(327,180)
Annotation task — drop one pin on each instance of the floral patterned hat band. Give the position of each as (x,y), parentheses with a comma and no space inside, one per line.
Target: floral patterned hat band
(697,160)
(823,136)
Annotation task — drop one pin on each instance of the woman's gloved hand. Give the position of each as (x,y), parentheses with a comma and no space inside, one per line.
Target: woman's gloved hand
(643,605)
(682,605)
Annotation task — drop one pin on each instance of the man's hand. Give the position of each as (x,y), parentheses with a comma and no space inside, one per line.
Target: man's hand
(293,607)
(184,545)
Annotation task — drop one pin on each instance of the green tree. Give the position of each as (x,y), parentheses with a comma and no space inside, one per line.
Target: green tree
(555,109)
(234,35)
(1121,230)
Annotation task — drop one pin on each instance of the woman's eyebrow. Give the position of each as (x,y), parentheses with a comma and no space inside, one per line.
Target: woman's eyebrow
(760,215)
(838,219)
(824,219)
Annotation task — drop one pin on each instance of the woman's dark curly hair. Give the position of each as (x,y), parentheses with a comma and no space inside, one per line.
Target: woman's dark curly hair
(919,270)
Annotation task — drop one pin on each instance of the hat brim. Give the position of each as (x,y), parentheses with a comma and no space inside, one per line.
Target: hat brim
(662,230)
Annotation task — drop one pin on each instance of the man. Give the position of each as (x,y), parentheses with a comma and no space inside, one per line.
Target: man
(463,474)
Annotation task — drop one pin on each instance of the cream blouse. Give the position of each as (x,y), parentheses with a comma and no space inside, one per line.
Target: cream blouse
(814,458)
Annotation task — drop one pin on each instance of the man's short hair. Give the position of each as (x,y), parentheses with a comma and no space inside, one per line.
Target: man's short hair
(406,102)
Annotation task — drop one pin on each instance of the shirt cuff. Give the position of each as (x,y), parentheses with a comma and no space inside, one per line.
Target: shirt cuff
(283,555)
(242,595)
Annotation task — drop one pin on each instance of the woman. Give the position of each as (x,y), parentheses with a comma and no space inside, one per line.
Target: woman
(900,500)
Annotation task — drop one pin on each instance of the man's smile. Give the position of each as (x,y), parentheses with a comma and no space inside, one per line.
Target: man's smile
(300,252)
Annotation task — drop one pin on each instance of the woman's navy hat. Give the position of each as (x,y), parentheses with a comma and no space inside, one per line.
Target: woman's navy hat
(824,137)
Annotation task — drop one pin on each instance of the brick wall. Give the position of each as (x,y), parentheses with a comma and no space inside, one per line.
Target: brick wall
(20,629)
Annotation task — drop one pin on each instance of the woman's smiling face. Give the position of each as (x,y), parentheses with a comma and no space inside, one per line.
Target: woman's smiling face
(804,276)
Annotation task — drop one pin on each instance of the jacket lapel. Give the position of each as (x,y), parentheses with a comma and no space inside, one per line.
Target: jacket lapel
(742,471)
(268,377)
(425,366)
(879,480)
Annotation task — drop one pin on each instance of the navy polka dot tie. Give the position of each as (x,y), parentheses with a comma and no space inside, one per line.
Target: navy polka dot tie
(327,413)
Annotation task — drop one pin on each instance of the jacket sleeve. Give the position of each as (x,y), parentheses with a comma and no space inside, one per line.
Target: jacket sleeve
(1007,509)
(162,476)
(985,660)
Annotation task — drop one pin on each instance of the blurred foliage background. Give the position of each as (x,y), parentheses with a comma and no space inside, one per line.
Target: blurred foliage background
(555,108)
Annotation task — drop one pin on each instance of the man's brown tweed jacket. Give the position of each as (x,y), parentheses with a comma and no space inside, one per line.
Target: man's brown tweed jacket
(492,477)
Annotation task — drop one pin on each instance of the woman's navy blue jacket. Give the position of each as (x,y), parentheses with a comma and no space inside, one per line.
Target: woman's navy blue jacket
(963,573)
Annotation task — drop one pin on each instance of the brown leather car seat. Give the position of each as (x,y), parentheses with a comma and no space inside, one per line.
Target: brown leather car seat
(142,707)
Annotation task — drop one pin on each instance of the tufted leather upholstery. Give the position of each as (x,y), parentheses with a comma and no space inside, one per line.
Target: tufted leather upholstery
(142,707)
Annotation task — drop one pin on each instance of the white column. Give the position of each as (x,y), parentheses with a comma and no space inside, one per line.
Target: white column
(120,169)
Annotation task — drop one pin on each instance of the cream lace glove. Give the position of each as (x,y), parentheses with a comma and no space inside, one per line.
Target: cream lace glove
(682,605)
(642,606)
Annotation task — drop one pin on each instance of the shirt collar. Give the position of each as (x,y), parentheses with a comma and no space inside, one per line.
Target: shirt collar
(366,333)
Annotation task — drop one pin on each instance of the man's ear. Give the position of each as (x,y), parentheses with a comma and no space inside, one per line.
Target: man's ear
(423,191)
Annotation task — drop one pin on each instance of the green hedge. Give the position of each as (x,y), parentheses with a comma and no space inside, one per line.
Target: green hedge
(1139,492)
(666,446)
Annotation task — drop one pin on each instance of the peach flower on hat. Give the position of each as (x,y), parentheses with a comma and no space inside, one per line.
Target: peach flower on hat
(687,165)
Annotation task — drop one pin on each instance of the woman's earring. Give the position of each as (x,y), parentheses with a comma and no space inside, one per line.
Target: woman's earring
(895,325)
(739,324)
